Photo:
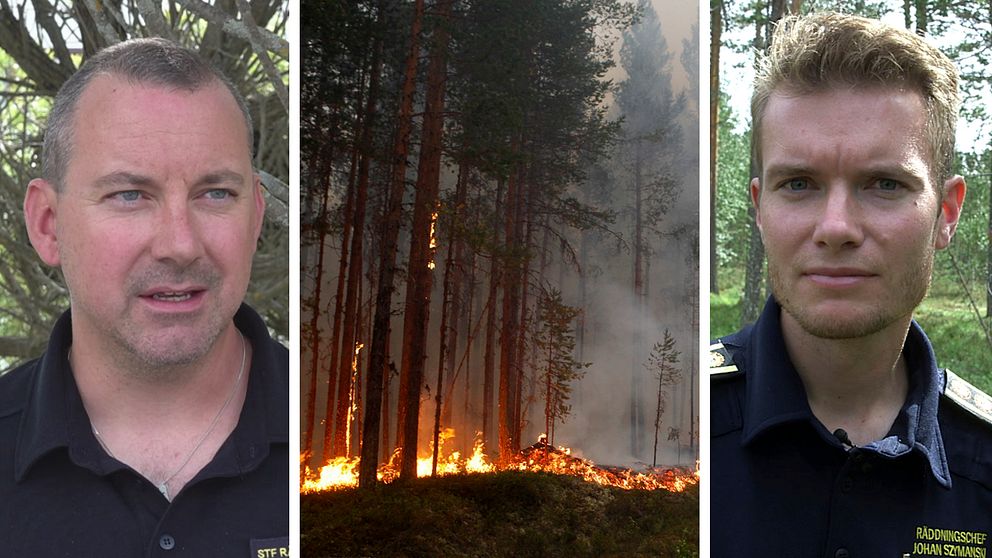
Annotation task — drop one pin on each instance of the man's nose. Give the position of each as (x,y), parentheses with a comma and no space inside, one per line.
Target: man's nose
(177,238)
(839,222)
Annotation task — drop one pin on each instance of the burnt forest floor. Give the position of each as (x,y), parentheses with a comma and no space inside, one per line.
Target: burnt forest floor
(517,514)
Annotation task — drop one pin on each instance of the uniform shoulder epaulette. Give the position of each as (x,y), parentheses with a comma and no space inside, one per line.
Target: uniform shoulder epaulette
(967,396)
(720,361)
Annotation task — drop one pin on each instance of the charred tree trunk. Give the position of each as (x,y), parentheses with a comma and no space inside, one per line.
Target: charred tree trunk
(470,333)
(339,305)
(420,275)
(442,359)
(489,353)
(377,399)
(350,336)
(510,319)
(526,223)
(453,278)
(311,404)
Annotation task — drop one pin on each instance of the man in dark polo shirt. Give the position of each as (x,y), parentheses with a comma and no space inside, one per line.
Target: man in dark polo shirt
(833,432)
(156,423)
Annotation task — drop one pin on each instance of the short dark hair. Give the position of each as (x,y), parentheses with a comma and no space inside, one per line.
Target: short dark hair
(154,61)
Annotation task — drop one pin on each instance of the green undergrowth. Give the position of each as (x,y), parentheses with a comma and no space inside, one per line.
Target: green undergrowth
(515,514)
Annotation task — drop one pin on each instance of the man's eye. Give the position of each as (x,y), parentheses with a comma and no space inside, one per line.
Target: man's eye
(888,184)
(128,195)
(218,194)
(797,184)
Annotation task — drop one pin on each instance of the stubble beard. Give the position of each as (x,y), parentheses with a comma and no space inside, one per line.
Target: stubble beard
(171,343)
(874,316)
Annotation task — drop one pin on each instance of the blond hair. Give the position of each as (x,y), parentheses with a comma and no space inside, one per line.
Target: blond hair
(826,50)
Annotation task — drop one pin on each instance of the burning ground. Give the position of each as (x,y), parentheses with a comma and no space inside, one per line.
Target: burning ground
(541,457)
(510,513)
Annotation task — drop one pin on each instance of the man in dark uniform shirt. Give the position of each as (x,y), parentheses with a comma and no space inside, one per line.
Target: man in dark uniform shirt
(834,433)
(156,423)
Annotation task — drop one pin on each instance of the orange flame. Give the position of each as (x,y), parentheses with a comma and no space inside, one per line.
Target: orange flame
(433,239)
(353,408)
(342,472)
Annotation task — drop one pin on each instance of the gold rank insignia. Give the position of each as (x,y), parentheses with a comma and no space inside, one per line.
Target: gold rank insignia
(972,399)
(720,362)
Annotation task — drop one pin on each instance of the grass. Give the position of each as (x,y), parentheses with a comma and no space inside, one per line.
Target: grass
(505,514)
(946,315)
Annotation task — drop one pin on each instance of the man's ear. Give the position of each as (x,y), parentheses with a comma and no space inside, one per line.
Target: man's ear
(755,198)
(39,217)
(950,211)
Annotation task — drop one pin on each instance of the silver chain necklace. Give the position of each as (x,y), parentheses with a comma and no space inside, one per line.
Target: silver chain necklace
(163,486)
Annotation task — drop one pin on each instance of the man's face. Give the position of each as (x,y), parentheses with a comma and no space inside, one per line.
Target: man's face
(849,215)
(157,221)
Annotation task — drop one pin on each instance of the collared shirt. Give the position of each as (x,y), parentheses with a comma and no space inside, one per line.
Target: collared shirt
(783,485)
(61,494)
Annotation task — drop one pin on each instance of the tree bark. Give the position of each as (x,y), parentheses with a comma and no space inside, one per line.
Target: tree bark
(635,410)
(311,403)
(716,32)
(350,331)
(339,303)
(377,397)
(510,319)
(489,353)
(420,276)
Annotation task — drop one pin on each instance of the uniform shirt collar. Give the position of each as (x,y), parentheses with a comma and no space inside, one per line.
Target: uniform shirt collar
(54,416)
(775,394)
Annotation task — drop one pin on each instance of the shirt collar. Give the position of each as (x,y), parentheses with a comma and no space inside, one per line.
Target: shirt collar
(775,393)
(54,416)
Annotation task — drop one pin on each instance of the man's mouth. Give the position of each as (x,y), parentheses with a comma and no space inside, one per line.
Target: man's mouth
(173,296)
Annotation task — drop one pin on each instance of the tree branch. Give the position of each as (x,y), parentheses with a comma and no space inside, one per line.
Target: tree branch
(216,16)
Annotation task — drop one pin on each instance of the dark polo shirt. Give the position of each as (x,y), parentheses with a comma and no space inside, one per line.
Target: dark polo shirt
(784,486)
(62,495)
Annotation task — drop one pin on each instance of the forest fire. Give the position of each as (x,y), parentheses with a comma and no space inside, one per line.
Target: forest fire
(433,239)
(342,472)
(353,408)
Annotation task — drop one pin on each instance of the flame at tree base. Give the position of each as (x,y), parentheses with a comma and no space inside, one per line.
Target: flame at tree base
(342,472)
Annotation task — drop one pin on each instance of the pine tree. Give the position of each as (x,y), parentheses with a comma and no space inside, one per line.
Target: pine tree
(556,342)
(662,363)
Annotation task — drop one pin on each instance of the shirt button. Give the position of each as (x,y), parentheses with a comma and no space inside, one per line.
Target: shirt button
(842,553)
(166,542)
(845,486)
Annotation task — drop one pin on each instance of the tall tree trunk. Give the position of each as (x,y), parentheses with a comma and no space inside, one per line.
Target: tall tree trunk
(453,277)
(525,220)
(377,398)
(922,18)
(659,409)
(350,330)
(470,333)
(489,352)
(510,319)
(311,404)
(716,32)
(420,276)
(442,359)
(635,410)
(339,306)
